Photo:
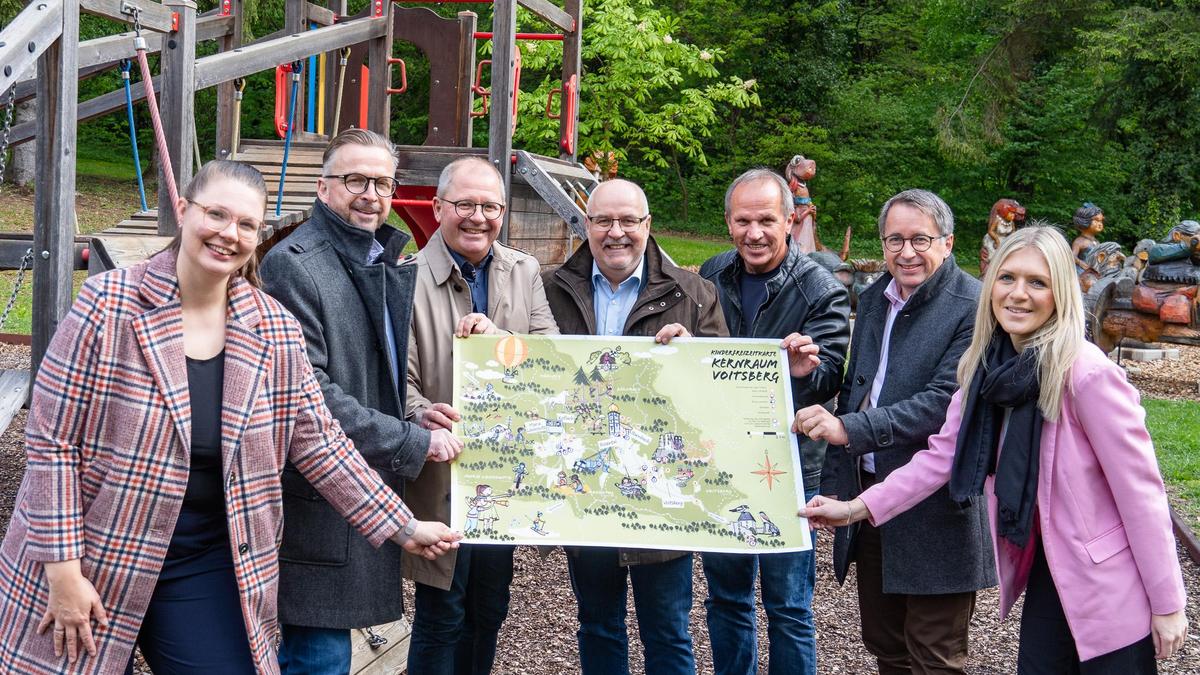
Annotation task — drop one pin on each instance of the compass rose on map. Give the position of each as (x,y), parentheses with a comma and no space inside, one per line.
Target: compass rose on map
(768,472)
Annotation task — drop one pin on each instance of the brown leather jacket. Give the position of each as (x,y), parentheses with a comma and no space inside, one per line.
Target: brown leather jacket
(668,295)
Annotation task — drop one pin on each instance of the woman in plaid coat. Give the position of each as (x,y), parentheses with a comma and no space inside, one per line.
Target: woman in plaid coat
(112,541)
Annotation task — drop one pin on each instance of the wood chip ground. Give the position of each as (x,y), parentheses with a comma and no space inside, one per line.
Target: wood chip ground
(539,636)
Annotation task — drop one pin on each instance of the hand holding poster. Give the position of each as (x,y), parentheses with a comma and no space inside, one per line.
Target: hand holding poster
(579,440)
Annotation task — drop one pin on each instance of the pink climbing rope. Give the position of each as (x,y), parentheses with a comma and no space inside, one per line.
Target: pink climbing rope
(160,139)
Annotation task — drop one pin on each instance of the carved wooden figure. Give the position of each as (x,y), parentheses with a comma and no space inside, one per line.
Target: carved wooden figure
(1006,216)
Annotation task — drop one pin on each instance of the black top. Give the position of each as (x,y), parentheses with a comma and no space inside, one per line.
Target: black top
(753,288)
(202,523)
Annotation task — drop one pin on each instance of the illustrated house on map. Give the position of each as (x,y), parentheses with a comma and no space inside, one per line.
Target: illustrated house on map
(670,448)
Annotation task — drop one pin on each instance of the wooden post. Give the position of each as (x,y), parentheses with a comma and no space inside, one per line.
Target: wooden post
(379,108)
(504,44)
(572,49)
(54,218)
(177,103)
(295,20)
(466,77)
(226,91)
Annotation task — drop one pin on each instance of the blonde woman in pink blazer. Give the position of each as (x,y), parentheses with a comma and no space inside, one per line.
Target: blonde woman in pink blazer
(151,509)
(1048,428)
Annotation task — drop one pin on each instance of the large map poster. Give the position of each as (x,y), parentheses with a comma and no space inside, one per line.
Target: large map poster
(580,440)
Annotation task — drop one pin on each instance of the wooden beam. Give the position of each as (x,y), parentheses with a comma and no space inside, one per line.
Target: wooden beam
(54,209)
(227,110)
(550,12)
(504,22)
(14,246)
(152,15)
(27,37)
(320,15)
(178,109)
(14,392)
(466,78)
(100,54)
(379,103)
(572,66)
(243,61)
(89,109)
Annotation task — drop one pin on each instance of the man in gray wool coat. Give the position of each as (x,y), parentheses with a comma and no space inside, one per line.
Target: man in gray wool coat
(917,575)
(340,274)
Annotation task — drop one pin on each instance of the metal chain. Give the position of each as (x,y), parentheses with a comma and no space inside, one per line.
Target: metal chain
(8,118)
(26,260)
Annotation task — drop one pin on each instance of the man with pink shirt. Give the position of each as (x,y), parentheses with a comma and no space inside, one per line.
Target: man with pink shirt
(917,575)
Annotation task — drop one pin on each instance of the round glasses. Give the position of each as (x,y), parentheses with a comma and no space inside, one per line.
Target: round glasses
(217,218)
(602,224)
(465,208)
(920,243)
(356,183)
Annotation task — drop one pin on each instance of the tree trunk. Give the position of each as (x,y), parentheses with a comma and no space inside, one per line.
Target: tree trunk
(683,192)
(23,168)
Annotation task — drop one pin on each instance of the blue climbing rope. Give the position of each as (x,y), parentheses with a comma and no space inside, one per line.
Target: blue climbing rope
(126,65)
(297,68)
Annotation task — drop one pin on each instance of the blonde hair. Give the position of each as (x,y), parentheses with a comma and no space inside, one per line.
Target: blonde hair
(1058,340)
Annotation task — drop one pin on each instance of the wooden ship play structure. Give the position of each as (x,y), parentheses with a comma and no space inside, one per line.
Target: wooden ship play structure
(332,72)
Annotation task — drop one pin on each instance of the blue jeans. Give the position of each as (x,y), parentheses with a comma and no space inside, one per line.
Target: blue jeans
(662,597)
(455,631)
(314,651)
(786,582)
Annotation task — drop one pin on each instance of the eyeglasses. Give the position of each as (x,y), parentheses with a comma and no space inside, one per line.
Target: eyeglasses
(217,218)
(920,243)
(465,208)
(602,224)
(356,183)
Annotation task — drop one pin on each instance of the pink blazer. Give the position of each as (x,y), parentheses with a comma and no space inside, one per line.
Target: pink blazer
(107,443)
(1101,508)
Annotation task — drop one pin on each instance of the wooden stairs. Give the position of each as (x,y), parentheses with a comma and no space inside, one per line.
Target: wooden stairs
(136,238)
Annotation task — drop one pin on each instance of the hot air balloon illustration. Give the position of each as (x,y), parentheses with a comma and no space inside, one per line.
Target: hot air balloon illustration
(511,351)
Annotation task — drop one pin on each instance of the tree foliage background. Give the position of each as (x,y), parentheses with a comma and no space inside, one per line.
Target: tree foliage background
(1050,102)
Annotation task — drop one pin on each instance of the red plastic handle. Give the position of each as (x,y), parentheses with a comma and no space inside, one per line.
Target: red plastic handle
(403,76)
(281,98)
(549,101)
(571,110)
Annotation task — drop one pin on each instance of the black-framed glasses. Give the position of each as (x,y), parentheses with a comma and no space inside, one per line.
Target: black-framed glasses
(603,224)
(356,183)
(920,243)
(217,218)
(465,208)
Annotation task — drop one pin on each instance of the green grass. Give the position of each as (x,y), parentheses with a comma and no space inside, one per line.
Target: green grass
(1175,428)
(689,249)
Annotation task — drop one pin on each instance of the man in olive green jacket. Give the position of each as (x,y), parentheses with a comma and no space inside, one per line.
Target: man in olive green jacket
(466,283)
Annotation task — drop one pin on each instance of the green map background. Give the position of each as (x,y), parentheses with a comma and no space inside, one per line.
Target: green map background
(656,390)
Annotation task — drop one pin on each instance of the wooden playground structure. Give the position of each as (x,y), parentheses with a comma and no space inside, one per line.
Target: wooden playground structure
(332,72)
(352,86)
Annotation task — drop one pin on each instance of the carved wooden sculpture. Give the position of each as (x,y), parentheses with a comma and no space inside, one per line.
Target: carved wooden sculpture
(1006,216)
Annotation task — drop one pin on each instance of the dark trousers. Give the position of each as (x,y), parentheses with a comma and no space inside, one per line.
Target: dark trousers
(908,633)
(455,631)
(1047,647)
(662,597)
(194,622)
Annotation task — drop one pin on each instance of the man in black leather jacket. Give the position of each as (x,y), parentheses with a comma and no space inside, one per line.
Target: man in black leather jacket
(770,289)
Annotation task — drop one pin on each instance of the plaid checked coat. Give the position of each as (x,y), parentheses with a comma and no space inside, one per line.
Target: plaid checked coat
(108,443)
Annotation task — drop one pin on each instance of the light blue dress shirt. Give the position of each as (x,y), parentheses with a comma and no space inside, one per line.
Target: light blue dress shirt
(613,307)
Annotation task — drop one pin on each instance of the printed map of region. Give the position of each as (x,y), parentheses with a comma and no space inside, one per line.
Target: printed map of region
(623,442)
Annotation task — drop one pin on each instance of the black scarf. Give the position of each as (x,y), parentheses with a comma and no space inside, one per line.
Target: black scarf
(1005,379)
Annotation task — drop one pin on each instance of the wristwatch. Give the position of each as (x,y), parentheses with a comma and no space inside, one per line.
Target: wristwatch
(405,533)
